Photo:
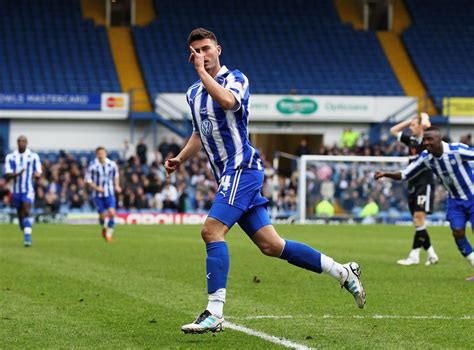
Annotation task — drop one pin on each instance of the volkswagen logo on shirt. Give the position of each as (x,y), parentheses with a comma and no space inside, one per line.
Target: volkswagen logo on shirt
(206,127)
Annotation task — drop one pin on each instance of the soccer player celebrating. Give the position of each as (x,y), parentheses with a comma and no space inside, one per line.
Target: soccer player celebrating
(103,177)
(23,166)
(219,103)
(420,188)
(450,163)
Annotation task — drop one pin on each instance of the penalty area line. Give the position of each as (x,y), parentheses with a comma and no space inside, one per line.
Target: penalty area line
(276,340)
(374,317)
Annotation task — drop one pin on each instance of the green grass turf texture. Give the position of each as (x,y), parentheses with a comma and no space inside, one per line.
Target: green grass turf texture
(73,290)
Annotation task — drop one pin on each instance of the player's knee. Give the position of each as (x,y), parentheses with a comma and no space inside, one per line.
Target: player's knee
(209,235)
(419,219)
(459,233)
(271,248)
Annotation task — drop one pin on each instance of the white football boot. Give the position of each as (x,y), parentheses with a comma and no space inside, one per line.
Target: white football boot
(353,283)
(206,322)
(432,260)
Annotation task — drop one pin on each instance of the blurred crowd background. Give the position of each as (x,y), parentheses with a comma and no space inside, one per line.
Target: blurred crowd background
(334,189)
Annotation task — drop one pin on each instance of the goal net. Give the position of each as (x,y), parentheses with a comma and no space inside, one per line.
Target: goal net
(343,189)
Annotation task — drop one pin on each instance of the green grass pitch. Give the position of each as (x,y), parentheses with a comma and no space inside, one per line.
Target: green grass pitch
(73,290)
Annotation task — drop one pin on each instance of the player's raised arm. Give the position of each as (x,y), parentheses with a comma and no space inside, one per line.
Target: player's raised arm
(425,120)
(220,94)
(398,128)
(192,147)
(396,175)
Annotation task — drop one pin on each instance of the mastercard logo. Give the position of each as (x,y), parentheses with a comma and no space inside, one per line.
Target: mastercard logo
(115,102)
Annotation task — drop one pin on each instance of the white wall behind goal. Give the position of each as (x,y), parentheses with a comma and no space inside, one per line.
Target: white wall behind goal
(76,135)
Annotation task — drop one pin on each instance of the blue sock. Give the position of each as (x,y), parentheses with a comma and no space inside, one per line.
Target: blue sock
(111,223)
(464,246)
(302,255)
(28,225)
(217,265)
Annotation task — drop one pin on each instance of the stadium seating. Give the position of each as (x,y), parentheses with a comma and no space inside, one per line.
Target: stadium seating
(283,46)
(47,47)
(440,43)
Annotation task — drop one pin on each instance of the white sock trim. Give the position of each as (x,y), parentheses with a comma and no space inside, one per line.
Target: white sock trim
(216,302)
(326,263)
(334,269)
(27,230)
(470,258)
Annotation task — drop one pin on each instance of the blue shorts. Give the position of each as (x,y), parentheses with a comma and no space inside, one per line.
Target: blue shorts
(105,203)
(239,200)
(460,212)
(20,198)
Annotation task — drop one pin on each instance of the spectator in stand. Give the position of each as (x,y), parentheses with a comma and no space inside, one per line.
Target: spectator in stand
(325,209)
(141,200)
(349,138)
(302,148)
(4,193)
(141,151)
(466,139)
(170,196)
(164,148)
(174,148)
(52,201)
(128,150)
(183,198)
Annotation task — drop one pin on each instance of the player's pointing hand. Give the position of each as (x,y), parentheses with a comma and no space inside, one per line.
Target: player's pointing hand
(196,58)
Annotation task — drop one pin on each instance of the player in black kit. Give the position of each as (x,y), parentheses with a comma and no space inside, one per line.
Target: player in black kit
(420,188)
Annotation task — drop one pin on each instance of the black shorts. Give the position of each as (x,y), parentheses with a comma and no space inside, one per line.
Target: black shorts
(421,198)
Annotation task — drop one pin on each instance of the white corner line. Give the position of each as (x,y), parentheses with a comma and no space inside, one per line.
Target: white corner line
(276,340)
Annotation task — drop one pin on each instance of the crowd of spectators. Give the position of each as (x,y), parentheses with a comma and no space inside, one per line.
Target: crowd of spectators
(346,186)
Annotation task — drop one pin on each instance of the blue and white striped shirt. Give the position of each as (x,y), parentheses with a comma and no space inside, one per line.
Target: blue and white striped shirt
(28,160)
(224,133)
(103,175)
(452,168)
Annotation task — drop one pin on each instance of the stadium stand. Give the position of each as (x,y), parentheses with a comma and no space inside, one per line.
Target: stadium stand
(47,47)
(302,48)
(62,188)
(440,45)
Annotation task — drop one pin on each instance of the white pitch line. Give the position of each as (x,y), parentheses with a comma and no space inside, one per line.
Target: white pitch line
(376,317)
(280,341)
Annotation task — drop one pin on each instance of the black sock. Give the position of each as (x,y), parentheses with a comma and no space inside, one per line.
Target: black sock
(421,240)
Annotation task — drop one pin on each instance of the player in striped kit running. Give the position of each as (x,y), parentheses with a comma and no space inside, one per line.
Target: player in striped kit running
(450,163)
(219,104)
(103,177)
(22,167)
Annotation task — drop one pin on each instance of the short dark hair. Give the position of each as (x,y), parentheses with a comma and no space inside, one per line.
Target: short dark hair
(100,148)
(433,128)
(199,34)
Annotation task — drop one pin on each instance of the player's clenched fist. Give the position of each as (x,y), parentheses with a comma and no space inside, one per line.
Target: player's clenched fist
(378,175)
(172,164)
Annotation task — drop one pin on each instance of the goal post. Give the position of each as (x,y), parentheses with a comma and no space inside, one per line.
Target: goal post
(342,179)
